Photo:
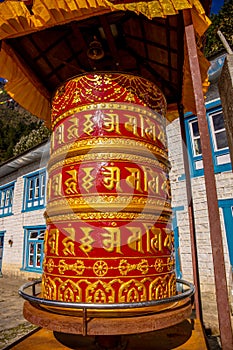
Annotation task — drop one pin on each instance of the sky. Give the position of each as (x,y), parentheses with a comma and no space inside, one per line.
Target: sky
(216,5)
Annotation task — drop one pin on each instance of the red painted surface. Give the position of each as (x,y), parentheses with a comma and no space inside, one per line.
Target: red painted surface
(109,236)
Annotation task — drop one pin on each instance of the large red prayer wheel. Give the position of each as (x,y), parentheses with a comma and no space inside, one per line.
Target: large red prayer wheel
(109,237)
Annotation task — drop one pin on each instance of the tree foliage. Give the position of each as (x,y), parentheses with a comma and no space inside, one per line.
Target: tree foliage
(222,21)
(17,123)
(34,138)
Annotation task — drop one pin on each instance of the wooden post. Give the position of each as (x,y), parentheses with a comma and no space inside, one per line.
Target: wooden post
(211,192)
(192,229)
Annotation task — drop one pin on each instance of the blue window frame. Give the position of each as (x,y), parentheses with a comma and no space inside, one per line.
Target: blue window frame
(34,190)
(176,240)
(33,248)
(6,199)
(218,139)
(227,208)
(1,249)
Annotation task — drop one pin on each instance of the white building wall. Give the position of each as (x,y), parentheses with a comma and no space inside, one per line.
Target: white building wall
(13,224)
(224,183)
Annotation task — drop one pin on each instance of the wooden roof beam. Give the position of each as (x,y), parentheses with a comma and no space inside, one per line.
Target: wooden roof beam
(143,62)
(110,38)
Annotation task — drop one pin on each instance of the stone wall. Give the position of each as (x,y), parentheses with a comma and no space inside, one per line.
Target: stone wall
(224,182)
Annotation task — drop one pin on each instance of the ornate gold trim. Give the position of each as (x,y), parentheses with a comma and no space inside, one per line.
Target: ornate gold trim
(119,216)
(122,157)
(101,144)
(136,204)
(145,110)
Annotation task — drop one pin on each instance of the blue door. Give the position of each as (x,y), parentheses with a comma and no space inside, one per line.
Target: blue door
(1,250)
(176,241)
(227,207)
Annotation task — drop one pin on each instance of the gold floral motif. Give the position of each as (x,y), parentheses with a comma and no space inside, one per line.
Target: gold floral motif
(103,292)
(50,265)
(125,267)
(132,291)
(172,285)
(100,292)
(170,263)
(109,83)
(69,291)
(159,266)
(77,267)
(49,288)
(162,287)
(100,268)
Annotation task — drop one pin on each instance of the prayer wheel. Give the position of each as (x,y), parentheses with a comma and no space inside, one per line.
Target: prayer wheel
(109,237)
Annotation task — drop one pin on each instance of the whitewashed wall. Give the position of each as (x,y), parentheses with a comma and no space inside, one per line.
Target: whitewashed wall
(224,183)
(13,224)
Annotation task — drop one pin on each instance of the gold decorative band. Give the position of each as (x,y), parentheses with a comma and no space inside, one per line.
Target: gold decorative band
(100,267)
(105,291)
(123,157)
(100,216)
(104,202)
(103,144)
(145,111)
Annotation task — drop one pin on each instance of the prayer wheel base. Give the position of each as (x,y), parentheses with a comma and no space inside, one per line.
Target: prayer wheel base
(98,326)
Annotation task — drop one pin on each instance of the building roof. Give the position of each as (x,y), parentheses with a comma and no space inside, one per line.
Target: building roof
(38,153)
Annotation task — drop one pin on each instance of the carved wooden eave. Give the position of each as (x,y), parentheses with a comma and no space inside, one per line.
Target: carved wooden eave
(44,43)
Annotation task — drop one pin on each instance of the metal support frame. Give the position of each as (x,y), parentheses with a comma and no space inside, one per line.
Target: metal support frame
(211,192)
(34,299)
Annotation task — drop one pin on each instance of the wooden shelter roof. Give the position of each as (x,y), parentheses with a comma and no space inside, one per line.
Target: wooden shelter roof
(46,42)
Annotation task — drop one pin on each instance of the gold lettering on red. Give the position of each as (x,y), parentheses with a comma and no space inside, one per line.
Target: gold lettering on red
(59,134)
(111,122)
(134,180)
(72,131)
(71,182)
(153,238)
(56,184)
(88,125)
(111,178)
(112,239)
(135,240)
(168,242)
(131,125)
(86,240)
(53,236)
(87,180)
(151,181)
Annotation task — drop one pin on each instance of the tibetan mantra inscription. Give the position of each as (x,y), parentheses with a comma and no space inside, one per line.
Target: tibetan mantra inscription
(109,237)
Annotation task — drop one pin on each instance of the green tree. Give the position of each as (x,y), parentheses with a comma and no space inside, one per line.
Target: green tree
(222,21)
(35,137)
(15,122)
